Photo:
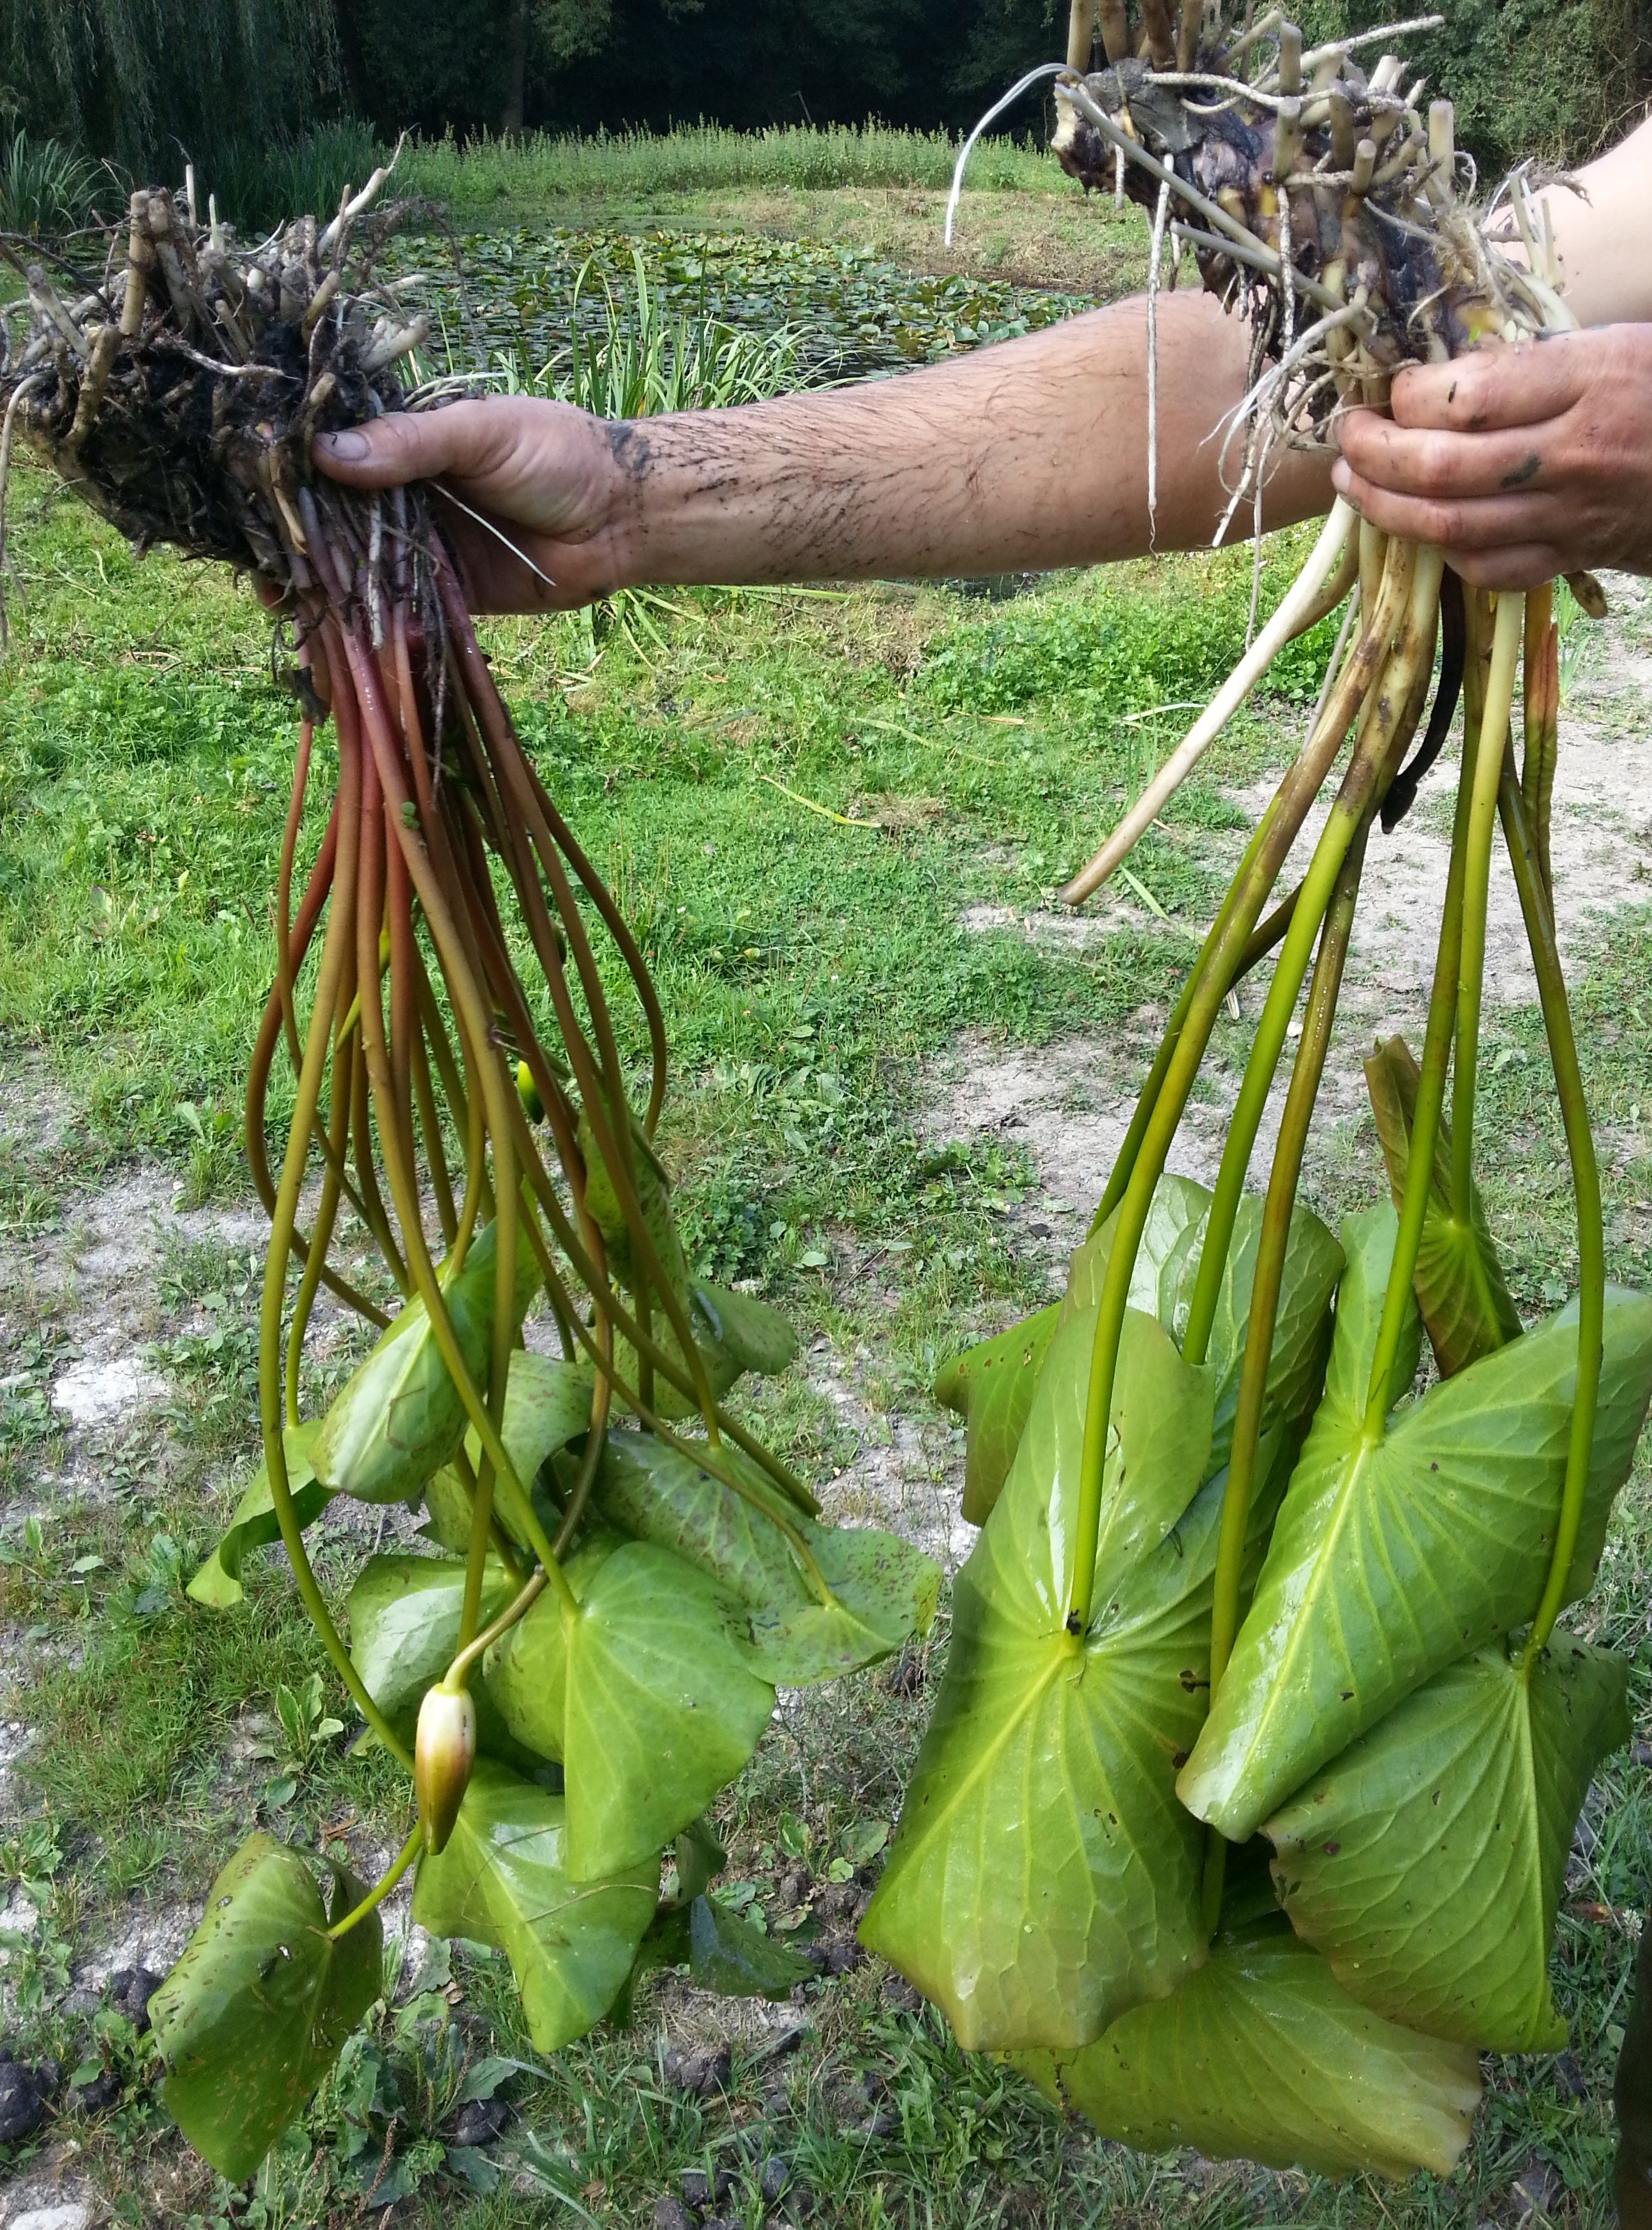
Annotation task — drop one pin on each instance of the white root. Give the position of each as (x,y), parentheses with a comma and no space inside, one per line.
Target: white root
(1022,85)
(1322,564)
(1154,260)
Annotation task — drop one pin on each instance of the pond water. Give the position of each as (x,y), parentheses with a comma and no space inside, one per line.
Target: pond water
(854,314)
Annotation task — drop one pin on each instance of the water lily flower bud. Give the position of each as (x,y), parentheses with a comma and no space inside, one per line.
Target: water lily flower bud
(529,1092)
(444,1751)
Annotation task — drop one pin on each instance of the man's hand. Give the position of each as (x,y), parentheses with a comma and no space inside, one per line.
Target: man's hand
(549,481)
(1520,463)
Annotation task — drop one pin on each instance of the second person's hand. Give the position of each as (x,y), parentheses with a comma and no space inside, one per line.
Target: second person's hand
(1520,463)
(549,481)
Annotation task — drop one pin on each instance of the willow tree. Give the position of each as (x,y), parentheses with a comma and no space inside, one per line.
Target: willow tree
(104,73)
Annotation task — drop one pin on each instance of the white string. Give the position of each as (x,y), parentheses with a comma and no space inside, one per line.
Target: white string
(1033,77)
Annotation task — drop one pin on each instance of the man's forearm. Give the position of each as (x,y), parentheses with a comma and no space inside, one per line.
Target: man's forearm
(1027,455)
(1604,235)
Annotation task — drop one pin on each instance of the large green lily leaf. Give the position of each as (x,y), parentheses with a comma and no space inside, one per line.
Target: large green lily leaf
(524,1674)
(728,1955)
(1465,1301)
(1262,2055)
(503,1878)
(217,1583)
(662,1707)
(1427,1862)
(547,1404)
(733,1333)
(653,1194)
(260,2004)
(991,1387)
(400,1417)
(1389,1561)
(647,1488)
(1166,1268)
(883,1588)
(404,1613)
(1043,1876)
(754,1335)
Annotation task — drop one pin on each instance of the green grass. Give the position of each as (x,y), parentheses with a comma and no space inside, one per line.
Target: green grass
(706,158)
(810,969)
(257,183)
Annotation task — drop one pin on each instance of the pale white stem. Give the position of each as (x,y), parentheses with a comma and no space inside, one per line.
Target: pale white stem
(1371,39)
(1326,555)
(1022,85)
(1154,261)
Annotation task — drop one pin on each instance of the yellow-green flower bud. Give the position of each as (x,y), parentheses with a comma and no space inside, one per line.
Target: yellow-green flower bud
(444,1751)
(529,1092)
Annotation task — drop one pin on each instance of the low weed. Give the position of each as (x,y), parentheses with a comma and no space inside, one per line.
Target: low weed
(472,178)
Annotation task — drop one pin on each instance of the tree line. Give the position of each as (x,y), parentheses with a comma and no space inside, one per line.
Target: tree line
(136,79)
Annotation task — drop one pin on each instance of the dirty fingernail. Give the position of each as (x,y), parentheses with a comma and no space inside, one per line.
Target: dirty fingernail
(345,448)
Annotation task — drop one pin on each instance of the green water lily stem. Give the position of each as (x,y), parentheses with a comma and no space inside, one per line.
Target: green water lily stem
(1283,1179)
(1524,856)
(1509,631)
(381,1888)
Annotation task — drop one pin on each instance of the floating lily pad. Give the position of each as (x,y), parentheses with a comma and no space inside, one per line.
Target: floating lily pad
(502,1878)
(662,1707)
(1427,1862)
(218,1583)
(1262,2055)
(1389,1561)
(257,2008)
(1043,1876)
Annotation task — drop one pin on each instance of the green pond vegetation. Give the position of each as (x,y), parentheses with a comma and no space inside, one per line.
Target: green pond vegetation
(807,803)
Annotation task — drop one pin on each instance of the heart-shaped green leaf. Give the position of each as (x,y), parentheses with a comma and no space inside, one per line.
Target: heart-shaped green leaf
(547,1404)
(1427,1862)
(502,1878)
(1043,1876)
(1262,2055)
(991,1387)
(653,1189)
(401,1417)
(728,1955)
(650,1490)
(883,1590)
(217,1583)
(754,1335)
(662,1708)
(733,1333)
(1390,1560)
(256,2010)
(524,1674)
(1166,1269)
(1465,1301)
(404,1614)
